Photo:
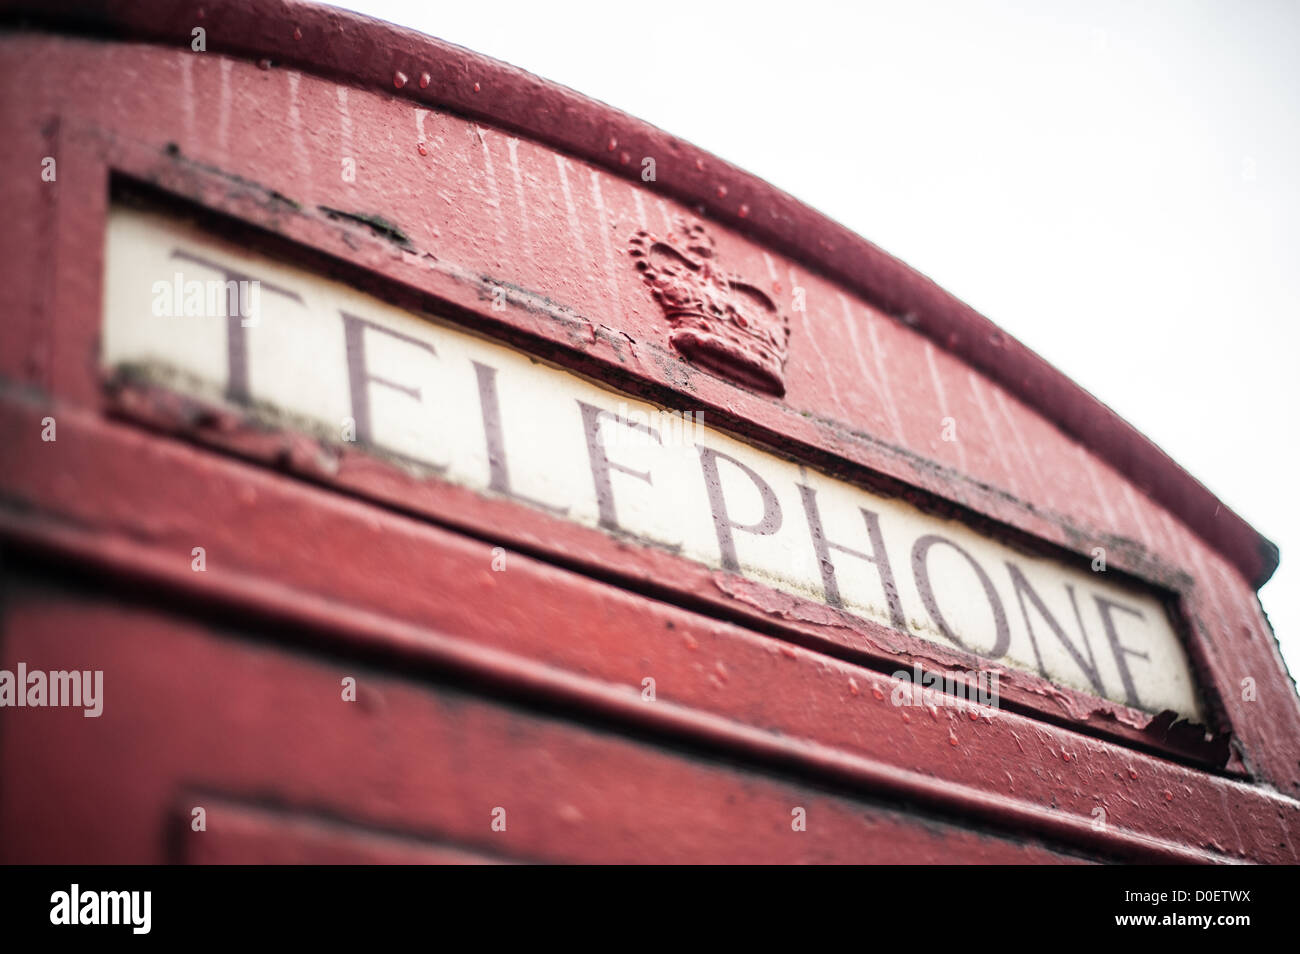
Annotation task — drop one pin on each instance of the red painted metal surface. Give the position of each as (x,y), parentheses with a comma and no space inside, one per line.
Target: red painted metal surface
(570,792)
(323,561)
(422,596)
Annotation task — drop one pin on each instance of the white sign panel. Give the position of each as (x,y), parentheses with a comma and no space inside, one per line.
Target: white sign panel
(321,356)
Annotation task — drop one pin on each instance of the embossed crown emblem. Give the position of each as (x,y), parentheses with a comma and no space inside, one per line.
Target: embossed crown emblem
(718,319)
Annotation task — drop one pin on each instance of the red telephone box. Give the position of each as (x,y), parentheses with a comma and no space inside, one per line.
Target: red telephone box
(407,459)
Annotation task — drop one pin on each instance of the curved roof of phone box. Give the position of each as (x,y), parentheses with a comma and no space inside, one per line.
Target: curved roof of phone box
(343,46)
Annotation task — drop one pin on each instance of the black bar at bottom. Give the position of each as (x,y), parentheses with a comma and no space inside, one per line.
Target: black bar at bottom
(1225,904)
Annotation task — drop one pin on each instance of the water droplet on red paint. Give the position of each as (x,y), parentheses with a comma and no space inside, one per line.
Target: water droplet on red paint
(297,34)
(1065,756)
(699,164)
(423,151)
(476,87)
(1169,796)
(744,212)
(853,688)
(721,670)
(425,80)
(907,716)
(722,192)
(624,158)
(789,652)
(974,715)
(399,79)
(934,713)
(875,691)
(952,737)
(691,644)
(611,145)
(1132,773)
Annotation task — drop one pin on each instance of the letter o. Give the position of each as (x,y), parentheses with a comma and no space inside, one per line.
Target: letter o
(921,572)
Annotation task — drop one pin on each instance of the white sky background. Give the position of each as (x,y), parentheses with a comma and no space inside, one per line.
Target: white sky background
(1117,187)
